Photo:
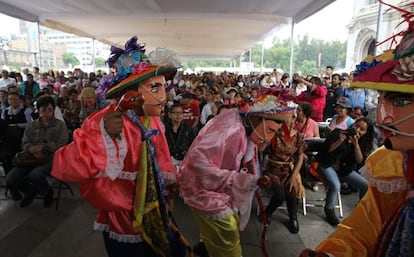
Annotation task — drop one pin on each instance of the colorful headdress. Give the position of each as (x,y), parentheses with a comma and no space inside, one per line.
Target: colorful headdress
(271,107)
(394,69)
(132,66)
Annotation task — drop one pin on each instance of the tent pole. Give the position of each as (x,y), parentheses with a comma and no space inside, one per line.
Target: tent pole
(39,57)
(261,58)
(292,45)
(379,21)
(93,55)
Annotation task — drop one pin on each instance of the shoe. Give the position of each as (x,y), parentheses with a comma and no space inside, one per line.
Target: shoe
(331,217)
(27,199)
(200,250)
(15,195)
(293,225)
(48,199)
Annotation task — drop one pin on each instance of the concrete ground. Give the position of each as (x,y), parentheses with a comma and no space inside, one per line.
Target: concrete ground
(67,232)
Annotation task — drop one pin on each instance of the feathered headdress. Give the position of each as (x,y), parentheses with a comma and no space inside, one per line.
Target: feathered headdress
(269,106)
(132,66)
(394,69)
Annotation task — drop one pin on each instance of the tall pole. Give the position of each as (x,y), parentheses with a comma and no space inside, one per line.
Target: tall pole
(93,55)
(39,60)
(292,45)
(379,21)
(261,58)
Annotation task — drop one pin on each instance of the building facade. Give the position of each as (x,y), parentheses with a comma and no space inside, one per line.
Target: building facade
(362,30)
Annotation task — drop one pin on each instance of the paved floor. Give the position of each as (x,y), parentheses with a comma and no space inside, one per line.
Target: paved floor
(38,232)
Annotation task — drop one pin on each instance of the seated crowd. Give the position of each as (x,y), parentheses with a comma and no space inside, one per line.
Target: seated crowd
(325,107)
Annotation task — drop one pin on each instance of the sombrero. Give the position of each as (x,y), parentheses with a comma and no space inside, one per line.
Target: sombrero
(394,69)
(270,107)
(132,66)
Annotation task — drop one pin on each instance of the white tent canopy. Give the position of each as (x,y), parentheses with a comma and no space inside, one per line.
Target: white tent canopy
(202,30)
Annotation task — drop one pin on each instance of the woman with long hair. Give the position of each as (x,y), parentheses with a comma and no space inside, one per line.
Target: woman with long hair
(342,153)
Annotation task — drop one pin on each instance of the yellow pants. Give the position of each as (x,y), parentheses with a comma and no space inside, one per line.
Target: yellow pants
(221,237)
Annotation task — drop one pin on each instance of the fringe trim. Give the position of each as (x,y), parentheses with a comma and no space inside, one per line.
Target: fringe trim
(391,186)
(118,237)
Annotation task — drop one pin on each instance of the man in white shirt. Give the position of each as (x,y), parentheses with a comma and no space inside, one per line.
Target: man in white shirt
(6,80)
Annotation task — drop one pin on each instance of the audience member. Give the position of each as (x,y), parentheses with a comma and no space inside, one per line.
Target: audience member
(15,119)
(29,88)
(341,120)
(339,158)
(42,137)
(315,95)
(179,134)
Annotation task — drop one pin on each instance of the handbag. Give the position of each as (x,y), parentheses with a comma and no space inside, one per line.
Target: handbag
(25,159)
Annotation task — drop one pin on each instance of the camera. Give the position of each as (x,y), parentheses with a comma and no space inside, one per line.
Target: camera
(351,132)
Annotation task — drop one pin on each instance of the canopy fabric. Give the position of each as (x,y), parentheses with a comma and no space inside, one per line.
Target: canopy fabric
(198,30)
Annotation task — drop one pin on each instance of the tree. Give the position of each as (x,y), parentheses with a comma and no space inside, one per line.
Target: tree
(70,59)
(99,62)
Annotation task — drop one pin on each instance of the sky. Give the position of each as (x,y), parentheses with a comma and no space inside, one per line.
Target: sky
(8,25)
(328,24)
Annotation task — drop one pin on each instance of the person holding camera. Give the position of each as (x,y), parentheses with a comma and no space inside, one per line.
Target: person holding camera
(339,158)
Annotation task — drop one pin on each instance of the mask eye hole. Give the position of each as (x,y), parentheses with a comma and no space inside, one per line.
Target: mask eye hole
(402,101)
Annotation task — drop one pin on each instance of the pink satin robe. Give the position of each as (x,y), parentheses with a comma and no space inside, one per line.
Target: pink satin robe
(209,176)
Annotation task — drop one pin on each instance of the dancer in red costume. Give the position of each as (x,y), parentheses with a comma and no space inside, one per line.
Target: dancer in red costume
(383,222)
(121,159)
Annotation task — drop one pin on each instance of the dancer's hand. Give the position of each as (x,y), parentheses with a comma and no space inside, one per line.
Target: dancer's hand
(113,123)
(264,181)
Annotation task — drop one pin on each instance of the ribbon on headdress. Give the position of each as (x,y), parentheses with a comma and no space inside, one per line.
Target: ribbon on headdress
(407,16)
(130,45)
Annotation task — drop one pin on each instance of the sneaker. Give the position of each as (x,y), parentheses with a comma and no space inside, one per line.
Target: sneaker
(48,199)
(27,200)
(15,195)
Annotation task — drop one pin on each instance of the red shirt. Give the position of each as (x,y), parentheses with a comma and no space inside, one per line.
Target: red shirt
(191,112)
(317,99)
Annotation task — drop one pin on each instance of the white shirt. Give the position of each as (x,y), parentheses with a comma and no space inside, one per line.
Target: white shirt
(5,82)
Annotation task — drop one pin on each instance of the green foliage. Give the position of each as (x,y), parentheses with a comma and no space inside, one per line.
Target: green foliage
(99,62)
(70,58)
(305,56)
